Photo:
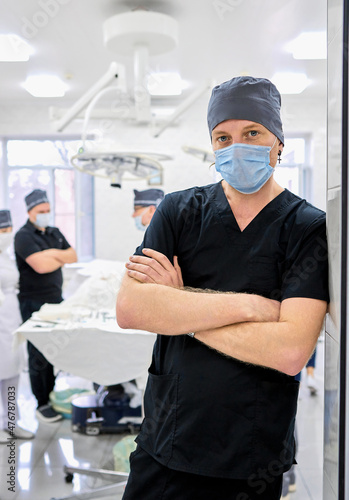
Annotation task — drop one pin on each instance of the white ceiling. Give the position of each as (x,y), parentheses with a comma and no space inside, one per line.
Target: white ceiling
(218,39)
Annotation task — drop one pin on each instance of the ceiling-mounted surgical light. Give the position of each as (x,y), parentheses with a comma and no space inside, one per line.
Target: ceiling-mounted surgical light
(290,83)
(309,45)
(45,86)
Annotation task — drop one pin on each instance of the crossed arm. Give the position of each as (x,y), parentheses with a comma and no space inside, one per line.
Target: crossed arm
(248,327)
(51,259)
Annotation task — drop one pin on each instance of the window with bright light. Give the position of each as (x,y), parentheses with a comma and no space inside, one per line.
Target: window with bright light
(294,172)
(45,164)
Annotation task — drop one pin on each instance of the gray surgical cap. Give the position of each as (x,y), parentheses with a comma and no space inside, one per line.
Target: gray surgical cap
(148,197)
(246,98)
(35,198)
(5,219)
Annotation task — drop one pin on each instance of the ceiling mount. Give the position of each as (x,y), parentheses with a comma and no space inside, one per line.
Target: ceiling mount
(156,31)
(140,34)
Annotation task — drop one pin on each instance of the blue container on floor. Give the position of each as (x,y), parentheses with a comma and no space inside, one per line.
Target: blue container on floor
(109,412)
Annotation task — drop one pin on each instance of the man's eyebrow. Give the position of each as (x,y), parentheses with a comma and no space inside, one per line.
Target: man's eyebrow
(252,126)
(217,132)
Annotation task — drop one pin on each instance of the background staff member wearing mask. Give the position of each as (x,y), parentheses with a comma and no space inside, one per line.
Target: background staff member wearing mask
(41,252)
(11,361)
(220,404)
(145,204)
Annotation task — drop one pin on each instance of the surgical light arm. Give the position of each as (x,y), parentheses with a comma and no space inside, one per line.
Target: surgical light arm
(112,73)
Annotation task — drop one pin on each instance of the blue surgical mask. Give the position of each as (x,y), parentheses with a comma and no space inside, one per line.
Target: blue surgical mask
(245,167)
(138,222)
(43,220)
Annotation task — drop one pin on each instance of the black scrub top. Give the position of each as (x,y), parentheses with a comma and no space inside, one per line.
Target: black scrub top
(45,287)
(207,413)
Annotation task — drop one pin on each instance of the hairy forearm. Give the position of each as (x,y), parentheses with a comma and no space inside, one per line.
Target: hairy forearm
(254,343)
(285,345)
(172,311)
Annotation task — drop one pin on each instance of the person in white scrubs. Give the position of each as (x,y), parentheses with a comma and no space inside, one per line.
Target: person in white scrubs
(11,360)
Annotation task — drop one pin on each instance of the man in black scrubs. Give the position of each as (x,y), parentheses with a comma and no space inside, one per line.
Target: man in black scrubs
(41,251)
(221,398)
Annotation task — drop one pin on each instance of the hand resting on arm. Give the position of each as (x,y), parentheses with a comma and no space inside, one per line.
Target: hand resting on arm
(155,268)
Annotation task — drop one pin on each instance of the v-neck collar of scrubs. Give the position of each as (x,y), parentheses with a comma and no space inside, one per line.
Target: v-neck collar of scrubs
(263,218)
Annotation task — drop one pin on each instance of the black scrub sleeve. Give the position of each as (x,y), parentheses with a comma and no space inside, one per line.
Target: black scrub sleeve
(306,270)
(25,244)
(161,232)
(60,241)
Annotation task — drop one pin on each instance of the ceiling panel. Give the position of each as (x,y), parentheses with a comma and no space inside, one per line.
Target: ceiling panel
(218,39)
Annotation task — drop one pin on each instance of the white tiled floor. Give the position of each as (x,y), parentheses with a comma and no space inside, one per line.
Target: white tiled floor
(39,462)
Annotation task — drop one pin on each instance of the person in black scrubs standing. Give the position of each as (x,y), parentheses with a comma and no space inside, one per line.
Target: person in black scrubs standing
(233,277)
(41,251)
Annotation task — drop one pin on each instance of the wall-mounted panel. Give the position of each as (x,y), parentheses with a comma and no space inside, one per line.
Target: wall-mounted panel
(334,200)
(334,110)
(335,425)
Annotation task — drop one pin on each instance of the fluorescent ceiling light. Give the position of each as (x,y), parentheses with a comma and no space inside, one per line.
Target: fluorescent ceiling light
(309,45)
(45,86)
(290,83)
(14,49)
(165,84)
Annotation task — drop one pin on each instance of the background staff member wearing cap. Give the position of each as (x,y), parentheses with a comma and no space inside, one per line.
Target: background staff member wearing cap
(11,360)
(145,204)
(41,252)
(220,407)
